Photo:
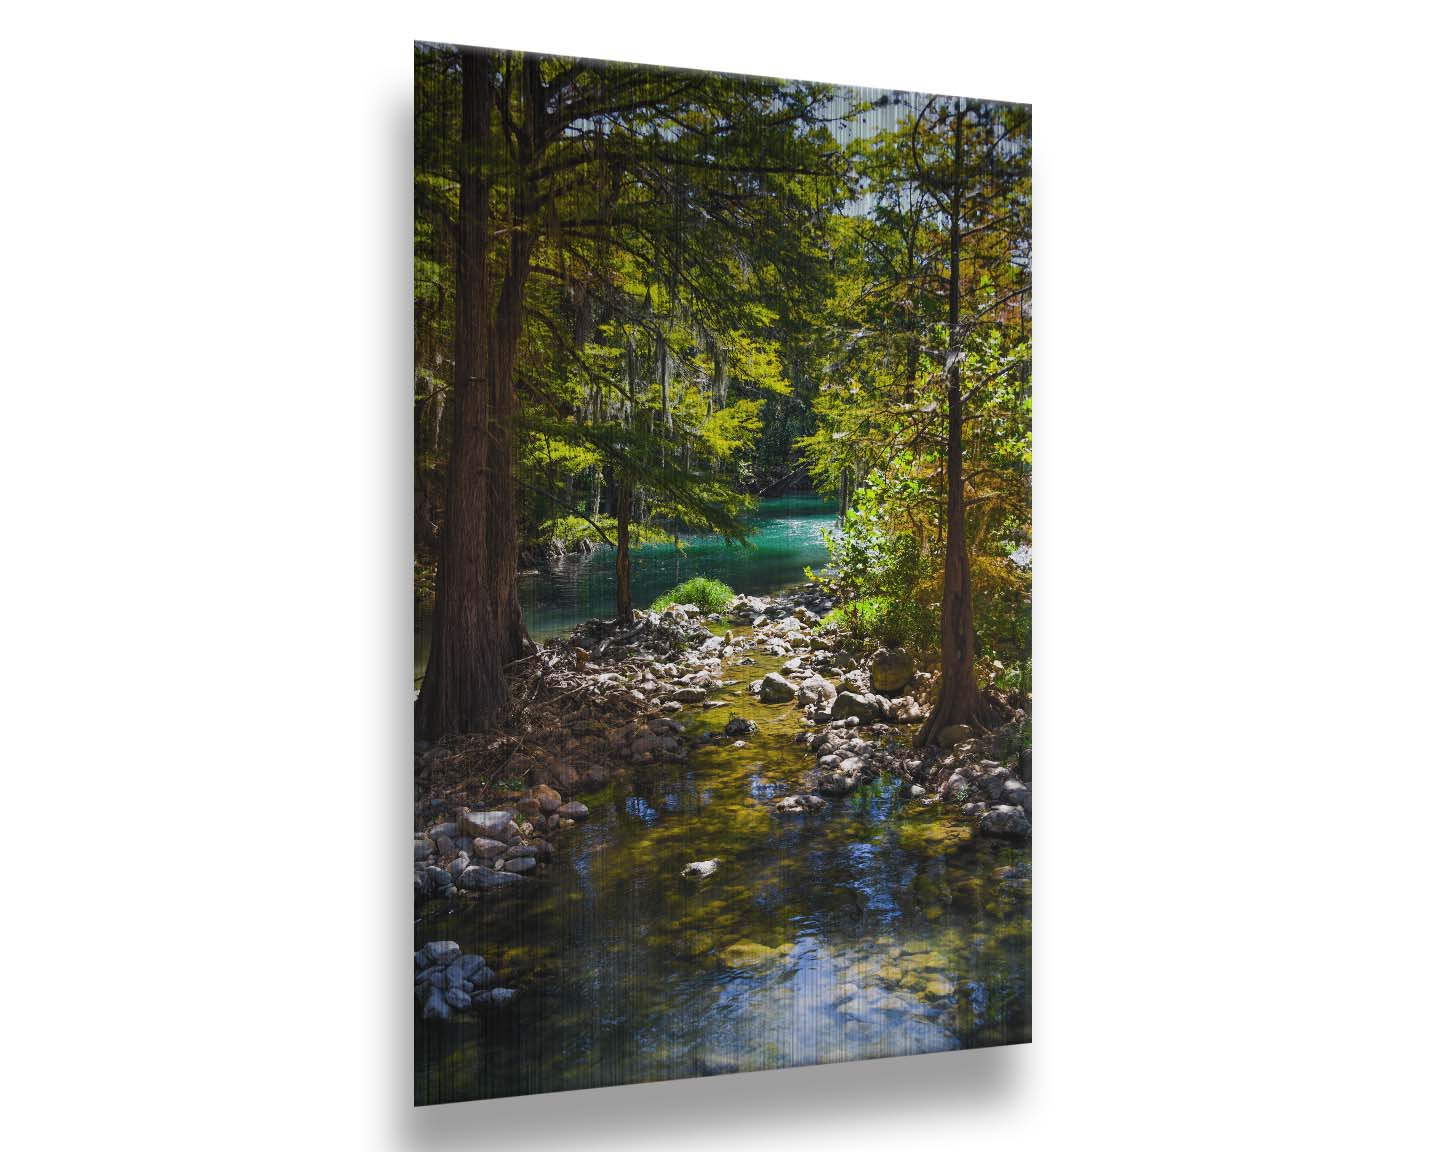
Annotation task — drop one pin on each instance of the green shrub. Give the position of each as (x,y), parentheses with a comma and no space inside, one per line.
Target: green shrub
(885,620)
(699,592)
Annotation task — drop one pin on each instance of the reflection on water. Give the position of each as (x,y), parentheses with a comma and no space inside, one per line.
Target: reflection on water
(873,928)
(579,588)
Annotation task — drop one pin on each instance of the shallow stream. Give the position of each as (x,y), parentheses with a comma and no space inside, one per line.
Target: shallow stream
(877,927)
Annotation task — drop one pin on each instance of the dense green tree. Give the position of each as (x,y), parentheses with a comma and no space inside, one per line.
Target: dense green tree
(924,420)
(663,209)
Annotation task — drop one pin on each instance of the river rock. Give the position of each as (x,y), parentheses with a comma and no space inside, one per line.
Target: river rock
(547,798)
(574,810)
(891,669)
(1024,768)
(841,779)
(424,846)
(806,803)
(439,878)
(1017,792)
(991,780)
(500,997)
(908,711)
(481,977)
(494,825)
(700,868)
(953,734)
(433,977)
(435,1006)
(739,726)
(689,695)
(475,878)
(1005,820)
(866,709)
(520,864)
(775,689)
(815,690)
(458,999)
(857,680)
(486,848)
(440,952)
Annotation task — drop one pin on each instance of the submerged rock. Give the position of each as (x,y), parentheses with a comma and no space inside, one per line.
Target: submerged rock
(739,726)
(842,779)
(475,878)
(806,803)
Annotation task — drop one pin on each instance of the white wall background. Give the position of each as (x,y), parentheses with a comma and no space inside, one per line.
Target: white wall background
(204,462)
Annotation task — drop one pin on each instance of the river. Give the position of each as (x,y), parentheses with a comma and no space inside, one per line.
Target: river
(568,592)
(876,927)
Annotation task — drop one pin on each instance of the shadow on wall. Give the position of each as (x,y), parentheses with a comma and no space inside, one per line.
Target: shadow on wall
(788,1102)
(784,1101)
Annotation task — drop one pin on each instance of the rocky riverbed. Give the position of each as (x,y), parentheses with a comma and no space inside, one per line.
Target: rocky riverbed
(856,713)
(741,862)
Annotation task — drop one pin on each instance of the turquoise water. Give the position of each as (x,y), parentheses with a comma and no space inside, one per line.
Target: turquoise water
(787,538)
(561,595)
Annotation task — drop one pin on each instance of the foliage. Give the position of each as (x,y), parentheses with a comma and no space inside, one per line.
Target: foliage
(574,533)
(729,286)
(700,592)
(883,408)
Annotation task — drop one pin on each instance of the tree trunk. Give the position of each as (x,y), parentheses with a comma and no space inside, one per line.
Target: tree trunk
(464,687)
(503,553)
(960,701)
(504,547)
(624,610)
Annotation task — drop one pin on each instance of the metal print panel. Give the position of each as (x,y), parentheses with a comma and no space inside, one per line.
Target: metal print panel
(722,573)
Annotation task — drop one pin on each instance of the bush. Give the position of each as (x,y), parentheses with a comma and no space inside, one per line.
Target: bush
(885,620)
(699,592)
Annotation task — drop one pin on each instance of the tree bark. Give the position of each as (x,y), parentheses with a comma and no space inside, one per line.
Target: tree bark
(503,548)
(464,687)
(503,552)
(624,610)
